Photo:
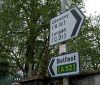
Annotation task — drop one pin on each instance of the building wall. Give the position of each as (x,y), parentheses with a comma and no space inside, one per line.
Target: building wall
(93,79)
(97,79)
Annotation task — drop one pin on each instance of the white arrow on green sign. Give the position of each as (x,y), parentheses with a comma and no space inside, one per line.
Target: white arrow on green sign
(64,65)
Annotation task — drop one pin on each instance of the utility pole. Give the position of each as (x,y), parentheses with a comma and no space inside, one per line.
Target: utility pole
(64,7)
(62,28)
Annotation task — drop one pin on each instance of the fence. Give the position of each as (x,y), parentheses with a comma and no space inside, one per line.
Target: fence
(7,80)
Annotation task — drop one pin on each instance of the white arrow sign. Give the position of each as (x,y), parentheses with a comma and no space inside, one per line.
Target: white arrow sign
(65,26)
(64,65)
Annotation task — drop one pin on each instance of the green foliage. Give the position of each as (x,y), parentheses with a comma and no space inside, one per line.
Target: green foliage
(4,68)
(24,34)
(87,46)
(4,65)
(24,27)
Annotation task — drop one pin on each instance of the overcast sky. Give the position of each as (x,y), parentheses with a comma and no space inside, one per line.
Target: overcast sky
(92,6)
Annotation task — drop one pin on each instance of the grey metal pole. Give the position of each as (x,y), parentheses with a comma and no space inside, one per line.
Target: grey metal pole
(64,7)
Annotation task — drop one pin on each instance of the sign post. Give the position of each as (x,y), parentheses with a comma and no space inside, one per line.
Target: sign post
(64,27)
(63,9)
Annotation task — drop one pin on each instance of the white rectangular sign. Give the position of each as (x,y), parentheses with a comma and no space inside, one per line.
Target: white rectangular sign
(65,26)
(64,65)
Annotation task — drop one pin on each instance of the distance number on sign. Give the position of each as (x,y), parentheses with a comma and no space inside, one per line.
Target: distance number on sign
(66,68)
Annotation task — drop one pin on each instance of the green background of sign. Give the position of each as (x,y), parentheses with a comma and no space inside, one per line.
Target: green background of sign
(66,68)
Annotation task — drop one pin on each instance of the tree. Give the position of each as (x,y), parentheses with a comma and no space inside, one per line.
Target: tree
(86,45)
(24,34)
(4,64)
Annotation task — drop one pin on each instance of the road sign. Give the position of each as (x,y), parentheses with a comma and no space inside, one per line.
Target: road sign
(64,65)
(65,26)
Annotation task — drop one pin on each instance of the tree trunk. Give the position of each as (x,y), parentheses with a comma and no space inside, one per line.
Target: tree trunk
(30,70)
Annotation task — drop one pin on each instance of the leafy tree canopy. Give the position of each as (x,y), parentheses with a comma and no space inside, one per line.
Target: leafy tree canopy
(24,34)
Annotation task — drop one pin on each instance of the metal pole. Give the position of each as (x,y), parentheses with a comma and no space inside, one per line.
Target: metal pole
(64,7)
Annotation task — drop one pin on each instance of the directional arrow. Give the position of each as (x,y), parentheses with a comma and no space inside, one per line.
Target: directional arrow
(64,65)
(66,26)
(51,64)
(79,20)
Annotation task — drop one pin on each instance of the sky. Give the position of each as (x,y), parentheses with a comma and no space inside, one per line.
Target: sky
(92,6)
